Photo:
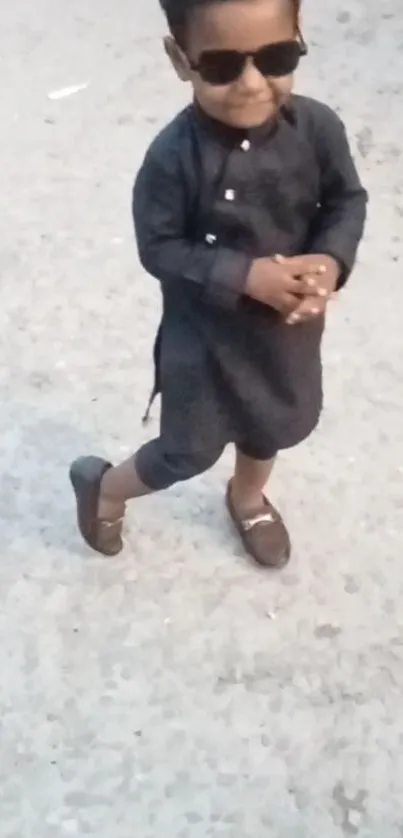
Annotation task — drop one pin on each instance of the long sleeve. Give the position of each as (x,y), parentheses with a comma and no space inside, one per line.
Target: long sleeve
(340,222)
(162,218)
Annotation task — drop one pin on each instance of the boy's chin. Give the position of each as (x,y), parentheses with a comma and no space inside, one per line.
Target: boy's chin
(248,121)
(245,118)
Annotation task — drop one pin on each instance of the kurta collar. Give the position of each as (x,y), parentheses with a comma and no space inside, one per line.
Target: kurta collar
(234,136)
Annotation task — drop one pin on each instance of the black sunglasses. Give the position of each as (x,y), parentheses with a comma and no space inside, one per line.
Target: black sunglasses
(221,67)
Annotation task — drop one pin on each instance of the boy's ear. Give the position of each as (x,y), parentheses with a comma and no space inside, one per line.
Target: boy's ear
(177,58)
(302,42)
(300,37)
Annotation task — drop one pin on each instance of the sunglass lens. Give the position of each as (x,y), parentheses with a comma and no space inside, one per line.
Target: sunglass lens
(221,67)
(278,59)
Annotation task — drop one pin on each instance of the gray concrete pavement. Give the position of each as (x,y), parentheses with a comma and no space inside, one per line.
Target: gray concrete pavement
(178,692)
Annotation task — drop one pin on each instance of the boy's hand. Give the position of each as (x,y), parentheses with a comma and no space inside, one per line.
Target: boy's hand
(308,309)
(279,284)
(322,282)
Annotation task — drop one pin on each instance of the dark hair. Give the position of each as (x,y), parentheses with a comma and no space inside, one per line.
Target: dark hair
(177,13)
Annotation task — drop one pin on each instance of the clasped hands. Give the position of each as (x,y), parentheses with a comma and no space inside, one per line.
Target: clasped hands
(298,287)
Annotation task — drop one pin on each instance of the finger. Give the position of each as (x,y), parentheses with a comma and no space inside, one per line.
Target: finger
(293,263)
(314,287)
(296,287)
(299,315)
(307,310)
(293,283)
(296,315)
(308,273)
(294,318)
(290,303)
(309,285)
(300,265)
(320,290)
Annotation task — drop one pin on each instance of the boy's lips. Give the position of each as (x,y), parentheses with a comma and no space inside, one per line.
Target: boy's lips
(264,103)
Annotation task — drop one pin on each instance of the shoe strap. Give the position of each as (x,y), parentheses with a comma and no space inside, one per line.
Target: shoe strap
(263,518)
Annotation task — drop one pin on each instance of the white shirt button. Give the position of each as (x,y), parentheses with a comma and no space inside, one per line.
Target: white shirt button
(229,195)
(210,238)
(245,145)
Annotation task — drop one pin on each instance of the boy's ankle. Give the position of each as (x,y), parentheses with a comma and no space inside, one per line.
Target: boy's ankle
(246,501)
(110,506)
(110,509)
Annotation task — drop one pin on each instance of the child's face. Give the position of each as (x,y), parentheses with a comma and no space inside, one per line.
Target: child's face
(228,86)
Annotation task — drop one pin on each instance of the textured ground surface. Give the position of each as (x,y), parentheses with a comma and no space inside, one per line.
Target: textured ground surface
(177,692)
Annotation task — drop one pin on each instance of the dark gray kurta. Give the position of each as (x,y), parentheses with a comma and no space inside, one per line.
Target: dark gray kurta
(208,200)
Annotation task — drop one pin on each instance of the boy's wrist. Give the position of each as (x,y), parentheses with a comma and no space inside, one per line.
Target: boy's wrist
(252,279)
(257,279)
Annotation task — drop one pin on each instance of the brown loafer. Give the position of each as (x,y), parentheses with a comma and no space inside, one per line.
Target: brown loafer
(264,536)
(86,475)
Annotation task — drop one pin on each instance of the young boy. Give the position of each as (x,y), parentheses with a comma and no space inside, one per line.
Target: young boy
(249,211)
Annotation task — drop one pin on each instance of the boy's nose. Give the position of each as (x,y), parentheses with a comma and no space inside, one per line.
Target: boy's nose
(252,80)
